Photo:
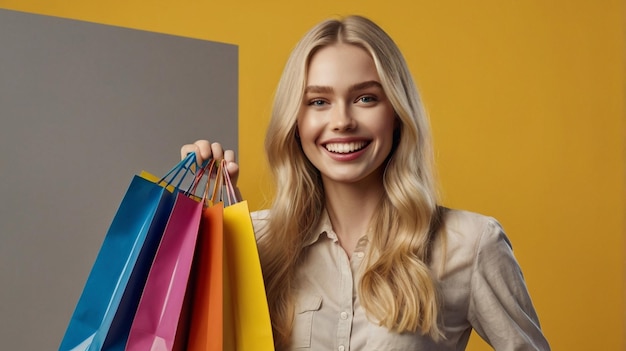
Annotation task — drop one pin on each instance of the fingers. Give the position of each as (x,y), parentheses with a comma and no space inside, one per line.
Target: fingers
(229,156)
(201,148)
(231,165)
(205,150)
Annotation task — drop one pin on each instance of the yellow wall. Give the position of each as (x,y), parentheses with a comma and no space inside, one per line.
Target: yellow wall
(527,107)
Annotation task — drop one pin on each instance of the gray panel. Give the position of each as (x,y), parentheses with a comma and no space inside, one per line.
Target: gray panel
(83,107)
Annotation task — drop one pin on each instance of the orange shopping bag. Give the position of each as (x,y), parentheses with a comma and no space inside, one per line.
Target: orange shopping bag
(206,326)
(230,309)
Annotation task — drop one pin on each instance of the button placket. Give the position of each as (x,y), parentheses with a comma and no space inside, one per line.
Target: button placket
(344,325)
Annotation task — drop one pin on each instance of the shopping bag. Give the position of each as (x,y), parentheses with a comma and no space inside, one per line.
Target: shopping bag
(156,320)
(230,309)
(252,328)
(206,325)
(110,296)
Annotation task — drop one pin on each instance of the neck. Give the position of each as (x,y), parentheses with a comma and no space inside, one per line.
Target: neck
(350,207)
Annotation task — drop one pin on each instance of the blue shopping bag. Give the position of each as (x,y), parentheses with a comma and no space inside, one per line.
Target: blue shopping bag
(104,313)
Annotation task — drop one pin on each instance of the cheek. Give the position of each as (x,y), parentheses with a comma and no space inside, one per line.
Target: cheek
(307,128)
(386,129)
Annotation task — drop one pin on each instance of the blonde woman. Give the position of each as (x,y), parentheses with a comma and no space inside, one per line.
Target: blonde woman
(356,252)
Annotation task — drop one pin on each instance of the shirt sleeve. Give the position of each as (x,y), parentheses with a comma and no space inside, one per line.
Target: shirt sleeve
(501,310)
(259,222)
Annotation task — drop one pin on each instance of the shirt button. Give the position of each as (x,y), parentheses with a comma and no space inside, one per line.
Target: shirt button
(360,254)
(341,348)
(344,315)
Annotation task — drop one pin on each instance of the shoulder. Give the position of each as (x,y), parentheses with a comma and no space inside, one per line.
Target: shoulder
(470,228)
(463,237)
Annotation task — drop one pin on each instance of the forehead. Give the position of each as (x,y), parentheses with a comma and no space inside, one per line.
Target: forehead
(341,64)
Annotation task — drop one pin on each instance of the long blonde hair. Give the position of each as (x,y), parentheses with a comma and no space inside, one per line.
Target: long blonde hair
(396,288)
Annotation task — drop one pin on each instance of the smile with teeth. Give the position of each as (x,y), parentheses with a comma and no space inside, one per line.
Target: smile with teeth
(345,148)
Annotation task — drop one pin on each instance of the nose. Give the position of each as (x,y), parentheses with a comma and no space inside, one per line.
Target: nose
(342,119)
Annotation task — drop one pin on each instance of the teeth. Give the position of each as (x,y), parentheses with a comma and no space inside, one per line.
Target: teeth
(344,148)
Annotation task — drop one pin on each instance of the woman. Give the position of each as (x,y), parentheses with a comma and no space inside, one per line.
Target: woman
(356,252)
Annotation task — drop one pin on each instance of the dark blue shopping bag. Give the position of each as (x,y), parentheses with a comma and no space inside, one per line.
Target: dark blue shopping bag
(104,313)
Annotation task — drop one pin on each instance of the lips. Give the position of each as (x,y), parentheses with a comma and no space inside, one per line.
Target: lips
(346,148)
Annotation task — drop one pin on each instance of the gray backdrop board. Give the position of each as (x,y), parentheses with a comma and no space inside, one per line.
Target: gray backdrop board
(84,107)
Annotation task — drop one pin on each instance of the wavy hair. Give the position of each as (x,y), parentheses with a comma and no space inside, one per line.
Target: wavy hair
(396,288)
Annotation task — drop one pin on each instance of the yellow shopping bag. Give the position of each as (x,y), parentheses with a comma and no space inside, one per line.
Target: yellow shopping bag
(252,329)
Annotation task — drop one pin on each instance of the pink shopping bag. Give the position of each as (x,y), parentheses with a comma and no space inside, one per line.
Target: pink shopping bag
(156,320)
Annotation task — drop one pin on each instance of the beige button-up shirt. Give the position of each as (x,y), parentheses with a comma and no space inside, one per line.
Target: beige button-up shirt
(480,283)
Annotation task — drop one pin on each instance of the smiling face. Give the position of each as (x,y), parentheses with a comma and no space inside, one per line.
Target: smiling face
(346,122)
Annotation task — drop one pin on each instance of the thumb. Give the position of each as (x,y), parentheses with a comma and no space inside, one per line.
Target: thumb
(233,172)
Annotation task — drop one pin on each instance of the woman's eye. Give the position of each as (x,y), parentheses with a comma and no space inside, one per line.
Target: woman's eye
(317,102)
(366,99)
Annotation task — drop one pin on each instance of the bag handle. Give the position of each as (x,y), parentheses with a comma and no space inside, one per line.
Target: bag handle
(231,194)
(222,189)
(206,168)
(218,186)
(172,174)
(216,191)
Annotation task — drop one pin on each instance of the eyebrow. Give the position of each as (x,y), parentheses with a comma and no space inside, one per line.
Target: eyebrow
(352,88)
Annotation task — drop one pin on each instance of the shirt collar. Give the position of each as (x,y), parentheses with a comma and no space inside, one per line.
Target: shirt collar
(323,227)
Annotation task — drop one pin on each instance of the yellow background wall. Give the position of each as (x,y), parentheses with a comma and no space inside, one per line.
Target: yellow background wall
(527,106)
